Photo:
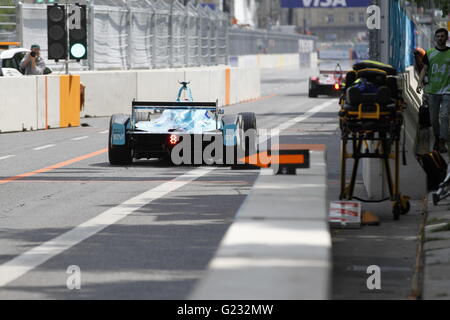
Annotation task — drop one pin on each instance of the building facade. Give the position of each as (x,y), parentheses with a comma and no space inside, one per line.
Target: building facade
(329,24)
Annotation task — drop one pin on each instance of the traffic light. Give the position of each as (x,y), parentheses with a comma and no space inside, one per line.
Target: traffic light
(56,32)
(78,32)
(44,1)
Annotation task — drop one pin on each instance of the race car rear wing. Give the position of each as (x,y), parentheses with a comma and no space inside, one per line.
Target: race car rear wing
(211,106)
(183,105)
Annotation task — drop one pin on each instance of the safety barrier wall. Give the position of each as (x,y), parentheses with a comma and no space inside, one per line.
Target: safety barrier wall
(39,102)
(36,102)
(279,244)
(266,61)
(412,177)
(18,111)
(110,92)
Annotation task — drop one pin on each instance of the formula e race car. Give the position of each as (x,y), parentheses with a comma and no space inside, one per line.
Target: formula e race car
(328,83)
(182,132)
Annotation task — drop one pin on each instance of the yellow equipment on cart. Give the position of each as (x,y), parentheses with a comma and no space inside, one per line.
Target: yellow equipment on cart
(371,121)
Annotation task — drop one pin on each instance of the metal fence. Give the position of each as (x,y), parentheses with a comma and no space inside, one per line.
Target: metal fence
(139,34)
(147,34)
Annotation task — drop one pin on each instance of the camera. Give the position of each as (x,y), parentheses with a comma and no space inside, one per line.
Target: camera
(33,54)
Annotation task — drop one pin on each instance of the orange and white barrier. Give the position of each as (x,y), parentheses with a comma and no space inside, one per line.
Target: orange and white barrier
(39,102)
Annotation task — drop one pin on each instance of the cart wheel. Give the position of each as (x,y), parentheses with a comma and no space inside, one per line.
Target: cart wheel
(406,208)
(396,210)
(436,199)
(405,205)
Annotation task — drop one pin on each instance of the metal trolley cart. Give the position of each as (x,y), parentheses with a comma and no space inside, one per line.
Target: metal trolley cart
(372,123)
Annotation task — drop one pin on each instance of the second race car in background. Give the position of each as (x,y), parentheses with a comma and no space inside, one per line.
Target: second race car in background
(328,82)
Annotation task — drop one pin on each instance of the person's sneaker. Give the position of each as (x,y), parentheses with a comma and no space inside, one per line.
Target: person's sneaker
(436,147)
(443,146)
(436,143)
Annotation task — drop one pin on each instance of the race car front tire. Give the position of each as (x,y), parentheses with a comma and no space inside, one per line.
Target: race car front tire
(119,156)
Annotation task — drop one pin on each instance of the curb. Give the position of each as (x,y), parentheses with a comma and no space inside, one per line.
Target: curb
(279,245)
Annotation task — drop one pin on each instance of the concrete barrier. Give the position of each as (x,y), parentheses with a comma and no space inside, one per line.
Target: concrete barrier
(111,92)
(36,102)
(279,245)
(48,102)
(412,177)
(18,107)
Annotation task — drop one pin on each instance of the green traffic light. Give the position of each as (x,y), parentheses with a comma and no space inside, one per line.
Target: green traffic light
(78,51)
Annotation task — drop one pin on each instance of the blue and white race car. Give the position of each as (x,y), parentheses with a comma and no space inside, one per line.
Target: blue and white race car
(183,132)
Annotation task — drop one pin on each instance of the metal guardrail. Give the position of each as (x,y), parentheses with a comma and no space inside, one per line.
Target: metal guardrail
(149,34)
(137,34)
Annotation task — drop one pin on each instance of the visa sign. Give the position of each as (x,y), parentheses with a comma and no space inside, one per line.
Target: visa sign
(324,3)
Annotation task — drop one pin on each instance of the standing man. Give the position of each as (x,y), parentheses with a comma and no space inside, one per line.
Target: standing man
(437,69)
(33,63)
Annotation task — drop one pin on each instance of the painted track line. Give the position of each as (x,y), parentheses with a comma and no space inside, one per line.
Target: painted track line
(285,125)
(33,258)
(44,147)
(79,138)
(55,166)
(6,157)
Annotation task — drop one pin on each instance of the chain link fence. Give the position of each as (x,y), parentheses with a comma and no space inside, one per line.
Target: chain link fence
(147,34)
(135,34)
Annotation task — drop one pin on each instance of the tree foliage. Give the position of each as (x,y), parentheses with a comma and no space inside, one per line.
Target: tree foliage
(7,15)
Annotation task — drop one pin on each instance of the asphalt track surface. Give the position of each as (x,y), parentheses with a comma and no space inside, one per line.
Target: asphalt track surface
(148,231)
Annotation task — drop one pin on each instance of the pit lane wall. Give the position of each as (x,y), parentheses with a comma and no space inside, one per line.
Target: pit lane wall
(32,103)
(39,102)
(413,181)
(279,244)
(111,92)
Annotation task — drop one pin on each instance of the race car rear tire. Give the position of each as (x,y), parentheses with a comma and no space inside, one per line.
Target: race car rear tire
(247,144)
(118,155)
(312,93)
(248,122)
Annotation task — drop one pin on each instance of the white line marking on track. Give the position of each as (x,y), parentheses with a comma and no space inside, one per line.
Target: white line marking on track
(285,125)
(44,147)
(105,131)
(33,258)
(6,157)
(79,138)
